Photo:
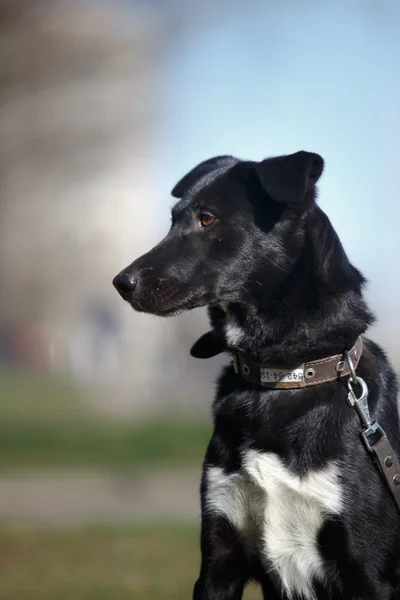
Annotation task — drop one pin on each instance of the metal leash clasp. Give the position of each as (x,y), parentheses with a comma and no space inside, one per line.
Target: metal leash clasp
(372,430)
(360,404)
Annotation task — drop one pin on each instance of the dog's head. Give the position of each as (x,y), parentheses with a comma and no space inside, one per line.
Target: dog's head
(236,224)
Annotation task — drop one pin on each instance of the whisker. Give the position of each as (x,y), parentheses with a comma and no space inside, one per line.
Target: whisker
(255,281)
(169,206)
(275,265)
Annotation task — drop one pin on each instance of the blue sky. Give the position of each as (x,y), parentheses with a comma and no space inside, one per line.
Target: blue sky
(275,78)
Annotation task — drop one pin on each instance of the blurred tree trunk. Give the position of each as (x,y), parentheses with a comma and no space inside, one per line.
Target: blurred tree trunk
(73,95)
(78,91)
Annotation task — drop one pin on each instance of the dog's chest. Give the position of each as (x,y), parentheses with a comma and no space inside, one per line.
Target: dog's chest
(278,514)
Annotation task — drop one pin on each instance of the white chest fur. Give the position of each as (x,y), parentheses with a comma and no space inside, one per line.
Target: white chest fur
(234,333)
(279,513)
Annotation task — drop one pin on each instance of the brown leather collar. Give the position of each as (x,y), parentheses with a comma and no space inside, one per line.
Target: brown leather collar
(301,376)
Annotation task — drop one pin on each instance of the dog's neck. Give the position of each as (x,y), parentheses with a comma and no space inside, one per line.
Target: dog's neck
(291,339)
(305,319)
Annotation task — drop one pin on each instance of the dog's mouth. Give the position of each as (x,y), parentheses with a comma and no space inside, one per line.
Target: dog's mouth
(164,297)
(167,306)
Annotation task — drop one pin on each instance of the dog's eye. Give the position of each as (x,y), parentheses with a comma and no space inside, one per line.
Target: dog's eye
(206,220)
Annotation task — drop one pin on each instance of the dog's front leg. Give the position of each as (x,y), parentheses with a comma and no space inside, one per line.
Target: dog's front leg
(224,567)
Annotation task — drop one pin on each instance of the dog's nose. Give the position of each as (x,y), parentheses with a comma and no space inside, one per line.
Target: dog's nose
(125,282)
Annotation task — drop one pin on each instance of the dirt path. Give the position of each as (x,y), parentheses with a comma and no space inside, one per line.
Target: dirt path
(71,497)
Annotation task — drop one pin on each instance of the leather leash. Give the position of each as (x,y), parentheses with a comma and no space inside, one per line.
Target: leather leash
(374,437)
(388,465)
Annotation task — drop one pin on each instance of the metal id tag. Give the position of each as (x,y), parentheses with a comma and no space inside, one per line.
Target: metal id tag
(271,375)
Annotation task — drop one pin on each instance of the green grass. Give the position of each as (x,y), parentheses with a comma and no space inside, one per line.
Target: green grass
(35,398)
(102,446)
(141,563)
(43,422)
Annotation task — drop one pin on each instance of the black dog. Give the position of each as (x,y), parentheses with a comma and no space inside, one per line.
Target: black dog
(290,496)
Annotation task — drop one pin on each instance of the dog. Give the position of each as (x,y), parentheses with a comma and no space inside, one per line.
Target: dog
(290,496)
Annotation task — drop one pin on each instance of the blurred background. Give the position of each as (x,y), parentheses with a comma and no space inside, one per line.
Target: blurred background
(104,417)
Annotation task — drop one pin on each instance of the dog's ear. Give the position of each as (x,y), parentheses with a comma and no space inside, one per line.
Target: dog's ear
(287,179)
(202,169)
(206,346)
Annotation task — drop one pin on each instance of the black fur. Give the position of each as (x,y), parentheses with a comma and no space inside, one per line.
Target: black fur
(273,255)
